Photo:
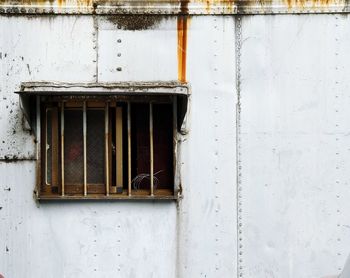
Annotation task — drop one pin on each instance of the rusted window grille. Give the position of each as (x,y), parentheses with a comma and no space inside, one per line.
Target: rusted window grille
(103,149)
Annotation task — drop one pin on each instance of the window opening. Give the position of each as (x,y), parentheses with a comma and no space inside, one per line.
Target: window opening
(100,149)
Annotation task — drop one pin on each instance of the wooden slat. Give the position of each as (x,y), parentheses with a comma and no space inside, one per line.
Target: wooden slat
(162,194)
(62,148)
(174,142)
(110,152)
(129,149)
(38,147)
(54,147)
(107,147)
(119,149)
(85,146)
(151,147)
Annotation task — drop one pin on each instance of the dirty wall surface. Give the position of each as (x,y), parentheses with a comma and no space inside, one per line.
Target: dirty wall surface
(124,239)
(263,165)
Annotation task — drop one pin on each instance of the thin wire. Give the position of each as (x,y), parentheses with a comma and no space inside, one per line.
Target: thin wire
(136,182)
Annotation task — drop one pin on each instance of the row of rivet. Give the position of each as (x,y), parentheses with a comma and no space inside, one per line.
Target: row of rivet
(95,47)
(216,144)
(238,41)
(339,244)
(219,10)
(119,41)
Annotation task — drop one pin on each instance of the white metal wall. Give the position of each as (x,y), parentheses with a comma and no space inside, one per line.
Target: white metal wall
(294,145)
(291,151)
(194,238)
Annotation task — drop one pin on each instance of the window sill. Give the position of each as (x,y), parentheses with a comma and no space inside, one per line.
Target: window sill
(135,195)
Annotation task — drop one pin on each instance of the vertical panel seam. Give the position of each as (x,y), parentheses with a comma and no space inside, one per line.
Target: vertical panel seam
(238,45)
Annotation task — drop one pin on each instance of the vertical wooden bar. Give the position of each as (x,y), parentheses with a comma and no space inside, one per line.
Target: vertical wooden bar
(62,148)
(54,147)
(46,146)
(119,148)
(85,153)
(174,141)
(151,147)
(38,142)
(107,147)
(129,149)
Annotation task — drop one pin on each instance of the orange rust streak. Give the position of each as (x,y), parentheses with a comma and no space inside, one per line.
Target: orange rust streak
(182,25)
(308,3)
(207,6)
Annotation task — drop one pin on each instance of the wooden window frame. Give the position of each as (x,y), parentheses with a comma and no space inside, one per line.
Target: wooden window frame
(33,94)
(110,192)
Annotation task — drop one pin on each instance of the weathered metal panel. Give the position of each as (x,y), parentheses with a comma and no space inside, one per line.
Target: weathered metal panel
(39,49)
(99,239)
(288,161)
(294,145)
(137,48)
(195,237)
(207,243)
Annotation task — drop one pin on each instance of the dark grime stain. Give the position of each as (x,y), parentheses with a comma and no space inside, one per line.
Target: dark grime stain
(136,22)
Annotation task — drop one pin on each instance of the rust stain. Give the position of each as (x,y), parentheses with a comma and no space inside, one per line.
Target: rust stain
(182,26)
(207,6)
(47,3)
(225,6)
(182,47)
(308,3)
